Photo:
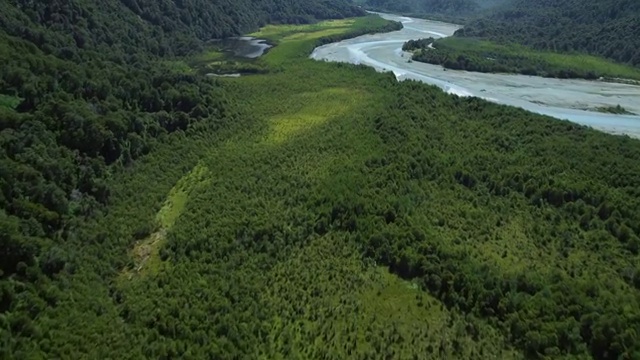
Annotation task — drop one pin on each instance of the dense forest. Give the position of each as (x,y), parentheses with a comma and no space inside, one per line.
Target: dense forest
(607,28)
(457,7)
(158,27)
(314,210)
(604,28)
(458,11)
(86,88)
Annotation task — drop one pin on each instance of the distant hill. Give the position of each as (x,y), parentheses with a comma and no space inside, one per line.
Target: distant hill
(455,9)
(173,25)
(608,28)
(425,7)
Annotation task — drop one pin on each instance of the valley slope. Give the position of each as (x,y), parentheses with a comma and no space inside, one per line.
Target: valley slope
(606,28)
(314,210)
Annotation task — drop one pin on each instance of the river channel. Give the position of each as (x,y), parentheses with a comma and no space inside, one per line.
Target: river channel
(573,100)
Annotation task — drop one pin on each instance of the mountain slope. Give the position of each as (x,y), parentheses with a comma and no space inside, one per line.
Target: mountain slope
(609,28)
(425,7)
(86,88)
(87,24)
(455,10)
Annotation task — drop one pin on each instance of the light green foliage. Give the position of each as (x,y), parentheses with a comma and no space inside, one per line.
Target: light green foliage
(311,31)
(300,42)
(9,102)
(146,252)
(326,300)
(175,203)
(315,108)
(178,66)
(210,55)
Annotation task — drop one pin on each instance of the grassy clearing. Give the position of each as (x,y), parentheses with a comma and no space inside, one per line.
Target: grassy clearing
(177,198)
(317,108)
(280,32)
(291,44)
(146,252)
(210,55)
(301,40)
(9,102)
(314,35)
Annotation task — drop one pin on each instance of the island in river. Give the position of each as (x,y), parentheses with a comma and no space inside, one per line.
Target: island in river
(472,54)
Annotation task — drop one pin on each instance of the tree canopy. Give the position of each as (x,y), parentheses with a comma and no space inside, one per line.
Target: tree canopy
(315,210)
(607,28)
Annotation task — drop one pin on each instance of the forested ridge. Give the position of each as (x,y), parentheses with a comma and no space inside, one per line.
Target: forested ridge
(161,27)
(604,28)
(433,7)
(457,11)
(607,28)
(315,210)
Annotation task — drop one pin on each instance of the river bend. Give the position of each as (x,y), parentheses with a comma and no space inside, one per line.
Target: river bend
(574,100)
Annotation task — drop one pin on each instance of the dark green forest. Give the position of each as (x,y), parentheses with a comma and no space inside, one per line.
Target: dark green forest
(434,7)
(85,89)
(313,210)
(606,28)
(158,27)
(457,11)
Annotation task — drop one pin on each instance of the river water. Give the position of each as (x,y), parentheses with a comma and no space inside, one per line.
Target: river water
(244,46)
(573,100)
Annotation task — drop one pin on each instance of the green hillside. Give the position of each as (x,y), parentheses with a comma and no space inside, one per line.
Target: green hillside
(312,210)
(606,28)
(441,10)
(86,85)
(552,38)
(457,7)
(457,11)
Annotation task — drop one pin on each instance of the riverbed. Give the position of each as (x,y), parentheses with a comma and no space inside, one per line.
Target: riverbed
(574,100)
